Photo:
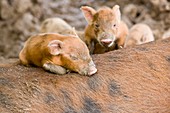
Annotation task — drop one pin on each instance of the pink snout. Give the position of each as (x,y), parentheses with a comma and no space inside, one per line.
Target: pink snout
(89,69)
(92,70)
(106,42)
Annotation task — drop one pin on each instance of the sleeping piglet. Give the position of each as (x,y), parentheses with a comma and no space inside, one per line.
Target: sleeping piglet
(58,53)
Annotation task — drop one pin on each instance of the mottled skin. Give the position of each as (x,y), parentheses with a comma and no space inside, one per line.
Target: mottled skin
(130,80)
(139,34)
(56,53)
(105,30)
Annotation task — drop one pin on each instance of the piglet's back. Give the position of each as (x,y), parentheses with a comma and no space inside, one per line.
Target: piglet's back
(139,34)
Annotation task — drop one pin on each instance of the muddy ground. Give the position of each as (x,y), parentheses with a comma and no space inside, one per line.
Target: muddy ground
(20,19)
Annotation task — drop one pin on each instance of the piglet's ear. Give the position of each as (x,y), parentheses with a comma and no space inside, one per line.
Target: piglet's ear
(73,32)
(117,12)
(88,13)
(143,38)
(55,47)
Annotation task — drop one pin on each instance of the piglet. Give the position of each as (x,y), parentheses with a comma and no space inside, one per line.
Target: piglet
(58,53)
(105,30)
(139,34)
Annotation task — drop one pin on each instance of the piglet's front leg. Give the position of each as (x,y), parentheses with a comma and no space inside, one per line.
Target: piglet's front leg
(55,68)
(90,44)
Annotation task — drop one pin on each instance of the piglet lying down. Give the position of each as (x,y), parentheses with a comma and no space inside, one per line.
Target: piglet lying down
(58,53)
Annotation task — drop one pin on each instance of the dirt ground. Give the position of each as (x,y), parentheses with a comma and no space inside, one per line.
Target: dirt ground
(20,19)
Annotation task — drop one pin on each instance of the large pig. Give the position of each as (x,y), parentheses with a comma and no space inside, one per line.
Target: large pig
(105,29)
(57,53)
(133,80)
(139,34)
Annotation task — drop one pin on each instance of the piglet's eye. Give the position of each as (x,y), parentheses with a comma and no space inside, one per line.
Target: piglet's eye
(114,25)
(97,25)
(73,57)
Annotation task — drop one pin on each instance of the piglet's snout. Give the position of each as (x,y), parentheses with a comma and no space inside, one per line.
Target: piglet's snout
(106,41)
(92,68)
(92,71)
(88,69)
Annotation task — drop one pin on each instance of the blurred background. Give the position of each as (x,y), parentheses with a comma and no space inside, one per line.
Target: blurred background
(20,19)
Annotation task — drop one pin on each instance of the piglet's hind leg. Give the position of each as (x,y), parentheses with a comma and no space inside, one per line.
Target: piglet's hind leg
(54,68)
